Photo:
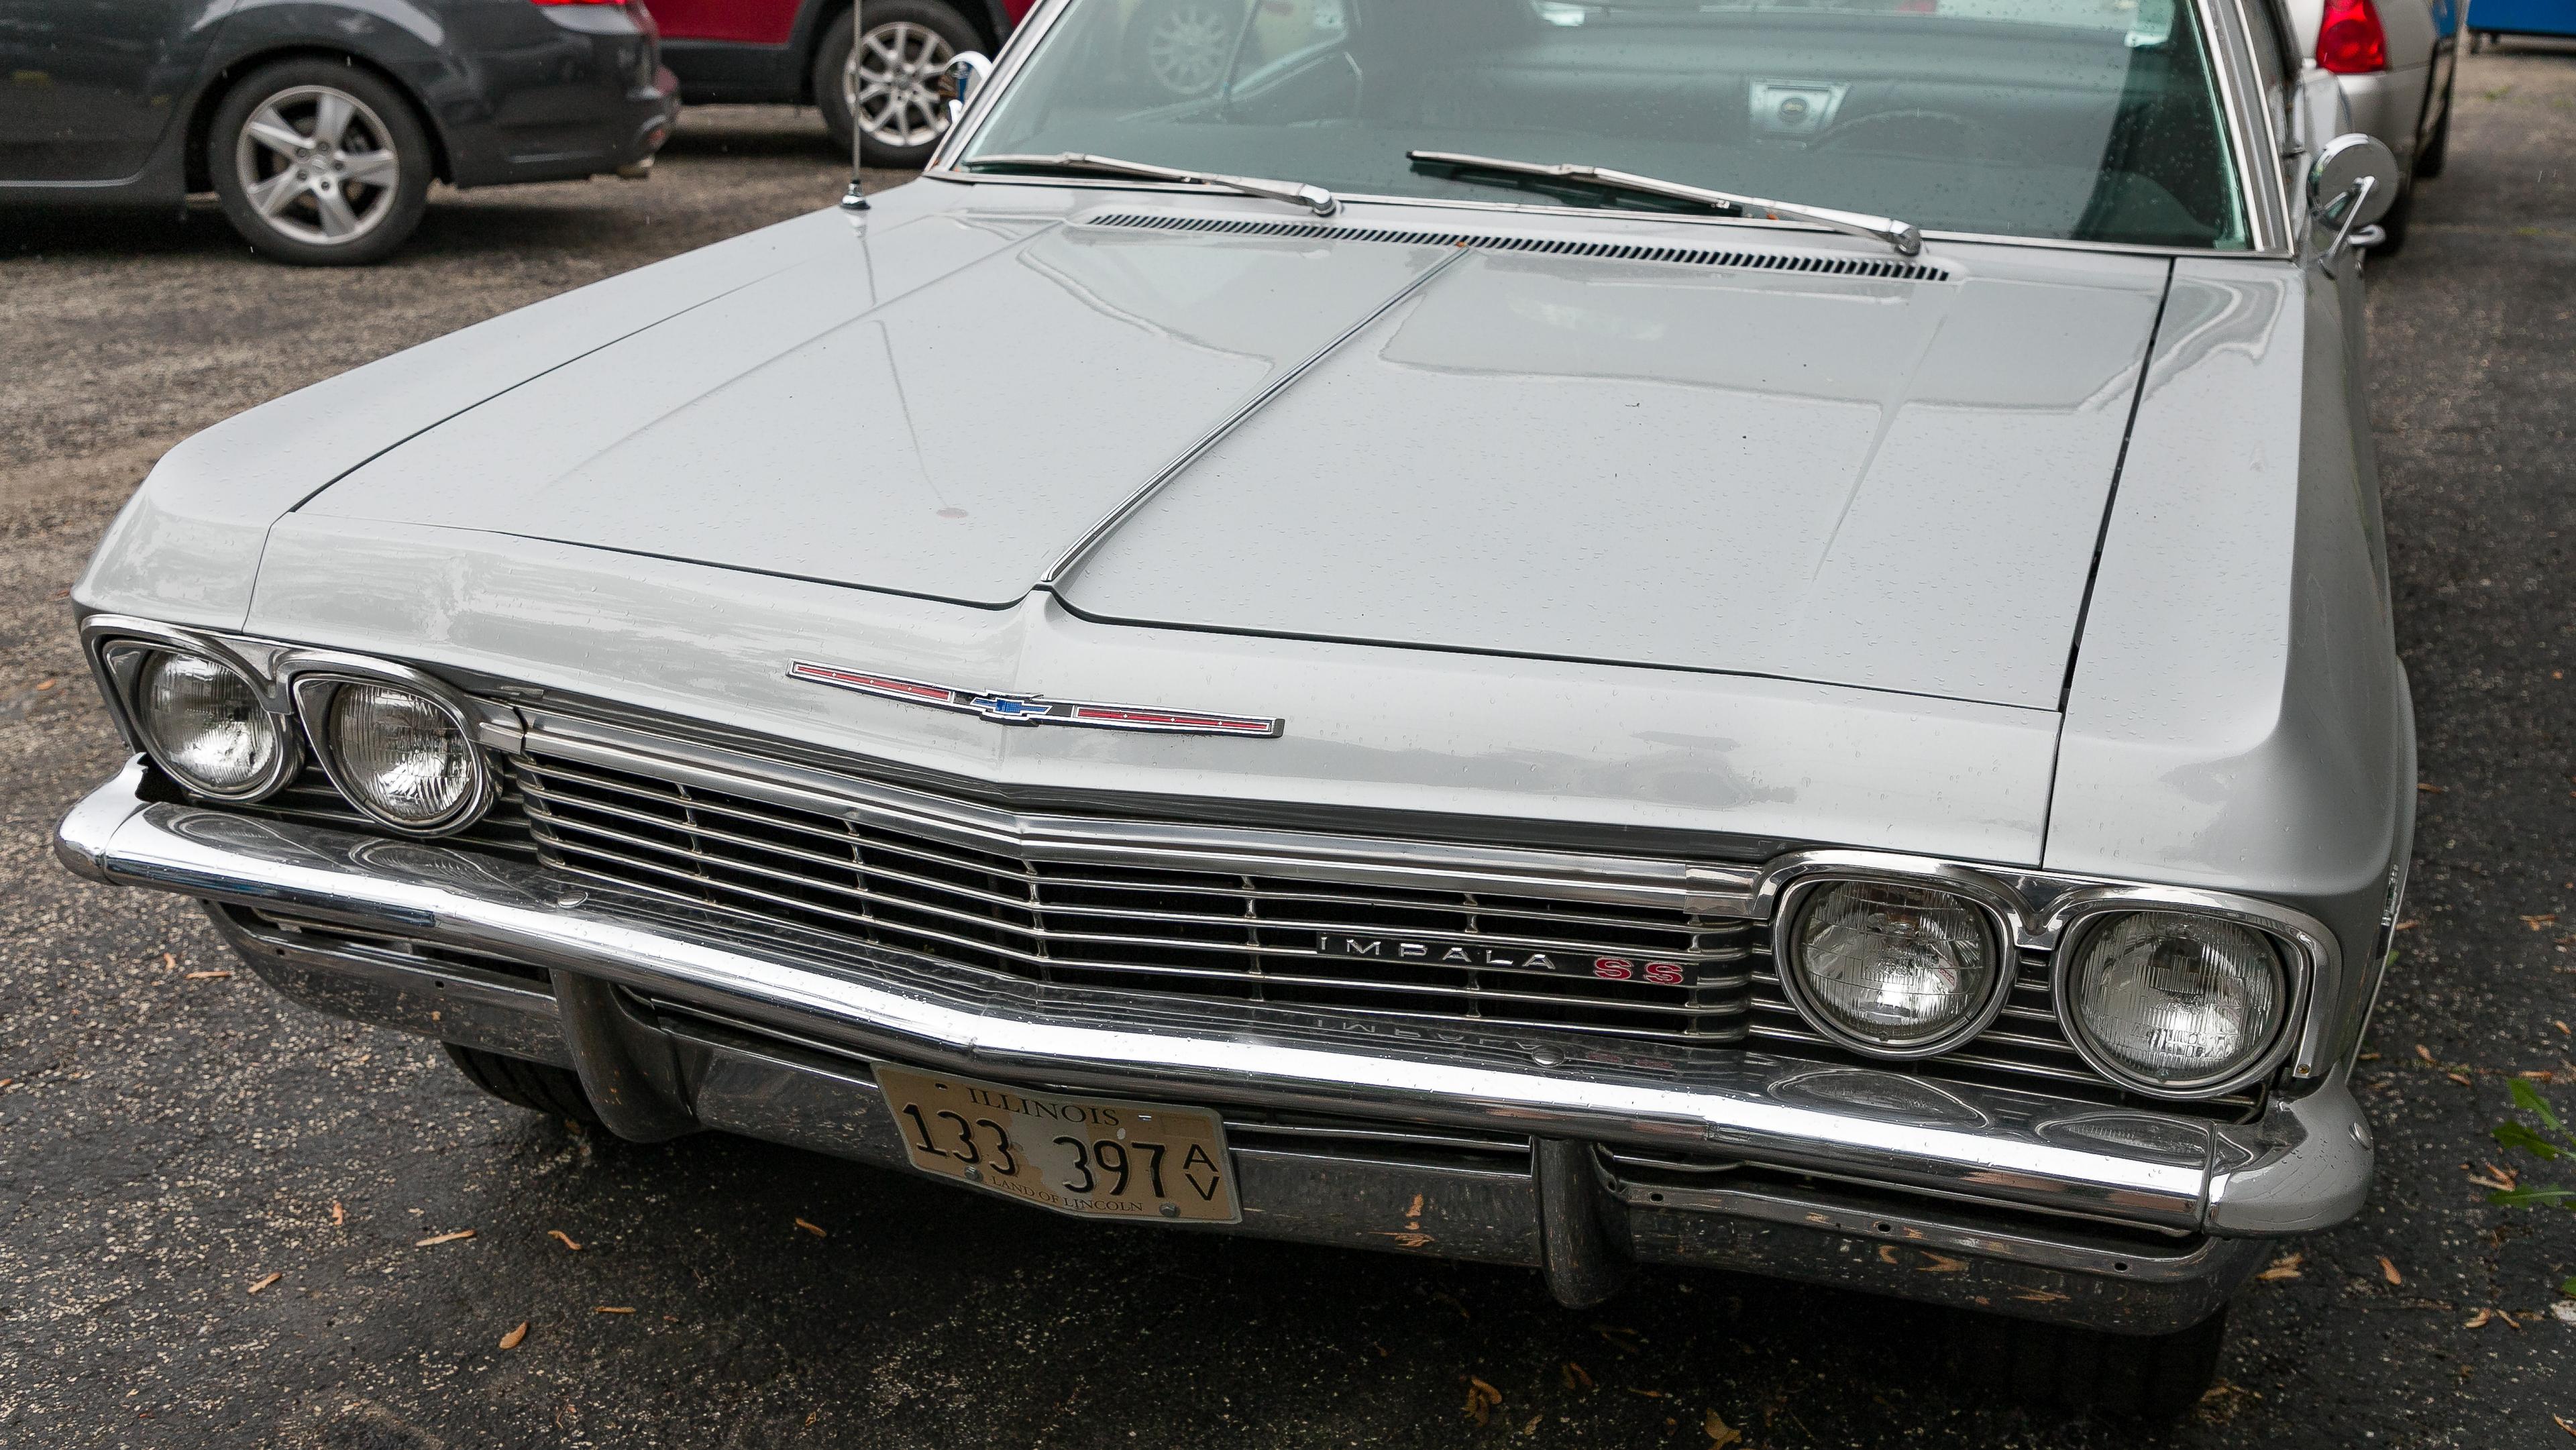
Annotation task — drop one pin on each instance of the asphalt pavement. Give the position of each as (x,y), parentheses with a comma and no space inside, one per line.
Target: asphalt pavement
(225,1220)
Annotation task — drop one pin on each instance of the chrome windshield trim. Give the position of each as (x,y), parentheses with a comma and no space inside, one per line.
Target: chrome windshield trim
(1022,43)
(2225,38)
(1352,199)
(1994,1145)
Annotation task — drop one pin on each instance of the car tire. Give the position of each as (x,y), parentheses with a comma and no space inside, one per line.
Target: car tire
(2436,152)
(2054,1366)
(1182,46)
(2394,224)
(298,195)
(911,43)
(538,1087)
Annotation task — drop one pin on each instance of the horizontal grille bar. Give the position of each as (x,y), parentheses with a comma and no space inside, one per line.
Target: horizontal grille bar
(1401,952)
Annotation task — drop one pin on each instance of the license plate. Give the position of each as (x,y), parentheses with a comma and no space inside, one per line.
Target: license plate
(1095,1157)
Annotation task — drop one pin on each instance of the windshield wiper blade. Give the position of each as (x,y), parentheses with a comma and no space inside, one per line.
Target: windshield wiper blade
(1906,238)
(1314,198)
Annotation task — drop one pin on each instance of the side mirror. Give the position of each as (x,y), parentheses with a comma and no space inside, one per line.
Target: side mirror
(2352,184)
(966,75)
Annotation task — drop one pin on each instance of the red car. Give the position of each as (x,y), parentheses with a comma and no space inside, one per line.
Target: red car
(796,52)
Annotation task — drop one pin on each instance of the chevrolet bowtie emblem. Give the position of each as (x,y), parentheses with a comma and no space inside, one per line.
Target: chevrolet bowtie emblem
(1015,709)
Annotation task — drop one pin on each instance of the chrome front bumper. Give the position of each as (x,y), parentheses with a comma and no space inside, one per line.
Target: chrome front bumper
(1502,1149)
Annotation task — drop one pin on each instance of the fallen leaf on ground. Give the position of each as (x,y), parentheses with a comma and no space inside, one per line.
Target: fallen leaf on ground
(814,1229)
(1622,1340)
(264,1283)
(1646,1394)
(2546,918)
(2284,1267)
(1532,1427)
(2430,789)
(2563,1029)
(2563,1425)
(206,976)
(2389,1272)
(2564,1311)
(612,1309)
(169,962)
(1720,1433)
(513,1339)
(557,1233)
(339,1215)
(1481,1399)
(2479,1319)
(2426,1053)
(2462,1078)
(1576,1379)
(445,1238)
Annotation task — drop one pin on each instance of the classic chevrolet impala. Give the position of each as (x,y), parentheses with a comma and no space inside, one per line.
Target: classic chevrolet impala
(1553,633)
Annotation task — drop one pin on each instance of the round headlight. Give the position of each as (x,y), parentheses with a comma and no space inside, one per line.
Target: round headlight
(401,756)
(2177,1003)
(204,725)
(1898,970)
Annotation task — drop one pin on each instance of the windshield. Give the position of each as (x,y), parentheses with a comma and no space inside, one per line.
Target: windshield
(2092,120)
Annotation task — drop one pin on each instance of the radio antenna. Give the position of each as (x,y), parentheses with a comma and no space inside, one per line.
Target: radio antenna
(854,199)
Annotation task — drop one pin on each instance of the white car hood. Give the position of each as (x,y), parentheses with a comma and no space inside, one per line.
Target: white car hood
(1887,483)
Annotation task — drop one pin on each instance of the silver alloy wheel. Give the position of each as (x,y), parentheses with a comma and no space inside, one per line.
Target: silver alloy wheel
(1186,45)
(318,165)
(888,84)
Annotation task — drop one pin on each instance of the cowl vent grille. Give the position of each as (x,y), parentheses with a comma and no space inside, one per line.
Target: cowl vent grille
(1551,246)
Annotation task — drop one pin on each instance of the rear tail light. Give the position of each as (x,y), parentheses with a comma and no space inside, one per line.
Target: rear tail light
(2351,41)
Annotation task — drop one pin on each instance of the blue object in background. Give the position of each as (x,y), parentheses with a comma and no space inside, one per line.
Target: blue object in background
(2523,17)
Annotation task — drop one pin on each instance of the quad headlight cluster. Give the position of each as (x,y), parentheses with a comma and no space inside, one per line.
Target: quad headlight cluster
(400,748)
(2168,1003)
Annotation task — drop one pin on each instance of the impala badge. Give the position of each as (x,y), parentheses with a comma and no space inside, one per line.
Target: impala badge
(1015,709)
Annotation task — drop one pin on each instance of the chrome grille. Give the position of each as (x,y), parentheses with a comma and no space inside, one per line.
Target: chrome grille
(1183,932)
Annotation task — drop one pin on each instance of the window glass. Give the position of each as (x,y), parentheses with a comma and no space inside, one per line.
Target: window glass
(2086,119)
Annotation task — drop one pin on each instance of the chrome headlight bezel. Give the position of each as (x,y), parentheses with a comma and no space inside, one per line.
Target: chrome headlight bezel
(2000,922)
(316,682)
(122,662)
(294,685)
(2295,951)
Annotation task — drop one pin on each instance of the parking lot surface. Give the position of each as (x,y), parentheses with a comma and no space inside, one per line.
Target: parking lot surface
(225,1220)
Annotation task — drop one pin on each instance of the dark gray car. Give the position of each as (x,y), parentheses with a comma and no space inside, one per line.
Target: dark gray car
(321,123)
